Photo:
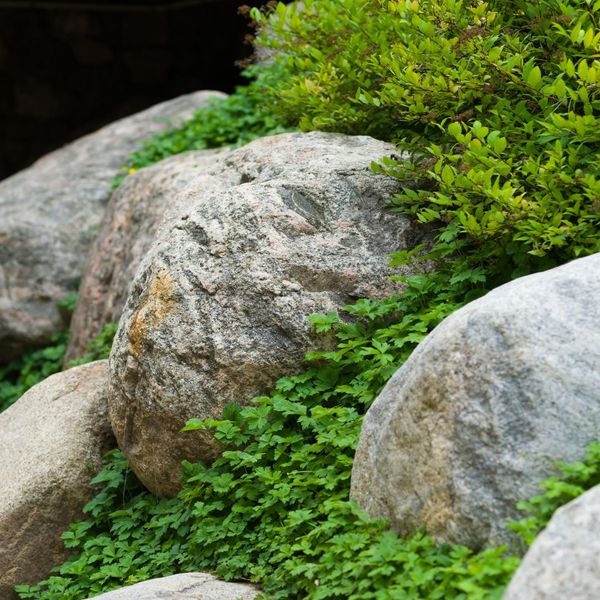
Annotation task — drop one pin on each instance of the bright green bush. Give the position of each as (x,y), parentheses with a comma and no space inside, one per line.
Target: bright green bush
(496,104)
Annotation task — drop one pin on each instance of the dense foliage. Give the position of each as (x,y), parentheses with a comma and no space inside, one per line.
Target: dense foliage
(496,104)
(495,107)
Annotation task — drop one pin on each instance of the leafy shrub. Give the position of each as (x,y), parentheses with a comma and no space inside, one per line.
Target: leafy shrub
(495,102)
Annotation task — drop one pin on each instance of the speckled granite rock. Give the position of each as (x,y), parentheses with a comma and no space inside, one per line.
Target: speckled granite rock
(564,560)
(134,214)
(49,214)
(51,444)
(217,311)
(476,417)
(187,586)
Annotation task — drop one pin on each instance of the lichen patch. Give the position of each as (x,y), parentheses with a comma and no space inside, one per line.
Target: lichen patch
(157,304)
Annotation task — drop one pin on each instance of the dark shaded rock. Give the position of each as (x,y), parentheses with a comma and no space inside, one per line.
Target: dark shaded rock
(49,214)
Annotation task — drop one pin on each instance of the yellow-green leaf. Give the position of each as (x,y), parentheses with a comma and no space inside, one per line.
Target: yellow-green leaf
(535,77)
(448,175)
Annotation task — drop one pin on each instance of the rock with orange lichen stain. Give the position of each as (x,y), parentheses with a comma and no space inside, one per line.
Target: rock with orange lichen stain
(282,228)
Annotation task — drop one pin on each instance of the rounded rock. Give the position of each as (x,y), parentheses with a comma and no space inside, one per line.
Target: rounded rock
(477,416)
(218,309)
(51,445)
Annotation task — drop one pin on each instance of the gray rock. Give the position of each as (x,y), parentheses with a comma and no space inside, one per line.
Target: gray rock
(133,216)
(49,214)
(475,419)
(217,311)
(51,444)
(187,586)
(564,560)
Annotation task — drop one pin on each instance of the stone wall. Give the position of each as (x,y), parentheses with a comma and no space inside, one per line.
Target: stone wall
(68,68)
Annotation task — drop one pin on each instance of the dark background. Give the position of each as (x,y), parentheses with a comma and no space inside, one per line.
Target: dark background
(68,67)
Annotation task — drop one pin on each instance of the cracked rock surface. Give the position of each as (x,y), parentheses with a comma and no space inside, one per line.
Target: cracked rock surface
(282,228)
(51,445)
(477,416)
(49,214)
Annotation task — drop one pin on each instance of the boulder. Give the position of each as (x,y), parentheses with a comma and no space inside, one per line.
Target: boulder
(564,560)
(476,417)
(188,586)
(133,216)
(49,214)
(51,445)
(217,311)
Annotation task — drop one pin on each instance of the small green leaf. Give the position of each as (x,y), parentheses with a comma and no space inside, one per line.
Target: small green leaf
(454,129)
(534,78)
(448,175)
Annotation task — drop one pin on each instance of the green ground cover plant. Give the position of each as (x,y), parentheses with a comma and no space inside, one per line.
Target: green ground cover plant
(33,367)
(274,508)
(232,121)
(494,109)
(23,373)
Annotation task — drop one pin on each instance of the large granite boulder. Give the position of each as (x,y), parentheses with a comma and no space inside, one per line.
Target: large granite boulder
(187,586)
(217,310)
(475,419)
(51,445)
(49,214)
(134,213)
(564,560)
